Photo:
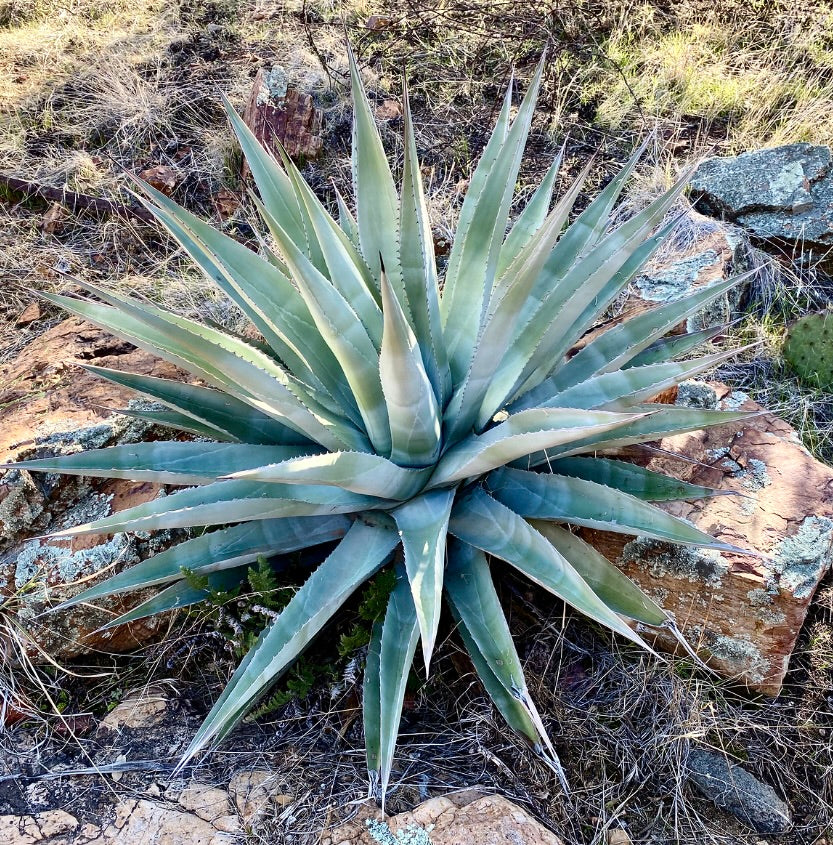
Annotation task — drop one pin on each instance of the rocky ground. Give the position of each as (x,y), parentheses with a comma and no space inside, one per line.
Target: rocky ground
(92,722)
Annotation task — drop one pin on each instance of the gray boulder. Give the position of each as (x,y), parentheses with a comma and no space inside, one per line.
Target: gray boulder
(733,789)
(783,194)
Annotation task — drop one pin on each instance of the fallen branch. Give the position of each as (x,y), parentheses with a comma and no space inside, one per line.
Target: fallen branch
(75,202)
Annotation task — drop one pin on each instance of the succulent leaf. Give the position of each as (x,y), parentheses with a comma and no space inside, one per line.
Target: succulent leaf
(361,553)
(400,634)
(423,526)
(485,632)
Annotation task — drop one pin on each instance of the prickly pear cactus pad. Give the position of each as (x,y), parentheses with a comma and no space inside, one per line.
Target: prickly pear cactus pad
(808,349)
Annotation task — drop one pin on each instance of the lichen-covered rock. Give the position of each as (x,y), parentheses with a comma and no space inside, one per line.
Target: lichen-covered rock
(43,391)
(467,817)
(277,113)
(736,791)
(713,251)
(56,408)
(707,251)
(743,614)
(783,194)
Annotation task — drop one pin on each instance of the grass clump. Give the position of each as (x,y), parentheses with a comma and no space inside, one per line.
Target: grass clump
(753,86)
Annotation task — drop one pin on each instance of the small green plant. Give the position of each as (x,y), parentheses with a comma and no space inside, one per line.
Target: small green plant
(436,427)
(808,349)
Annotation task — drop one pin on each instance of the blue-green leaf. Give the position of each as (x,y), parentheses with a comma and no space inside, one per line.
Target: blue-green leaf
(213,408)
(544,495)
(423,526)
(218,550)
(363,551)
(632,478)
(486,524)
(484,630)
(166,462)
(413,410)
(400,633)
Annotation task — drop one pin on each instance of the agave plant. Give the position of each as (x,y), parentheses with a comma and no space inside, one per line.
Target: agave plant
(441,427)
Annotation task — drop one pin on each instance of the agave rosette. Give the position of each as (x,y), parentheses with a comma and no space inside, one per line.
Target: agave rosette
(434,428)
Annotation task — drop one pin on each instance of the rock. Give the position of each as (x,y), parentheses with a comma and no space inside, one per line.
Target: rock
(251,793)
(162,177)
(733,789)
(142,708)
(278,112)
(713,252)
(211,804)
(708,251)
(468,817)
(742,614)
(149,823)
(28,315)
(225,203)
(42,391)
(376,23)
(132,822)
(783,194)
(53,220)
(388,110)
(55,827)
(53,407)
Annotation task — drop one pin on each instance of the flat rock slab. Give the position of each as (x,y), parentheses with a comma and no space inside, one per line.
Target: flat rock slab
(136,822)
(467,817)
(783,194)
(44,391)
(743,614)
(51,406)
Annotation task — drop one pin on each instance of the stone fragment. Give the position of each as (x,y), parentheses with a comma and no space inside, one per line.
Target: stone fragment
(469,817)
(227,824)
(742,613)
(28,315)
(376,23)
(736,791)
(149,823)
(277,112)
(206,801)
(225,203)
(162,177)
(53,407)
(55,827)
(251,792)
(388,110)
(141,708)
(783,194)
(54,218)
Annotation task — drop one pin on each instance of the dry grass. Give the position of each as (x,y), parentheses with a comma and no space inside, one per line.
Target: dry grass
(755,86)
